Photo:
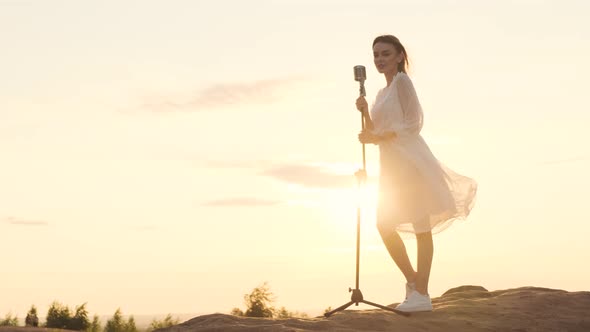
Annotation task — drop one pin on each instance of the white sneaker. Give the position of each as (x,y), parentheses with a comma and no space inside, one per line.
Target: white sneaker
(410,286)
(415,302)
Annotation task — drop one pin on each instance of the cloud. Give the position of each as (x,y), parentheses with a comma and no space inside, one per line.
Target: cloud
(224,95)
(320,175)
(310,176)
(241,201)
(22,222)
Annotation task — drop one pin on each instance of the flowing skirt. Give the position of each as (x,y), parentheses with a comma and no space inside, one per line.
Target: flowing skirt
(417,193)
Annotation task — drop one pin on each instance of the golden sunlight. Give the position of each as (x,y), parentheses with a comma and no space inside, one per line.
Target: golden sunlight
(341,207)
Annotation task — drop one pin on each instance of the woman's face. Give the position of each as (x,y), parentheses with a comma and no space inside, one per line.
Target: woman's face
(386,58)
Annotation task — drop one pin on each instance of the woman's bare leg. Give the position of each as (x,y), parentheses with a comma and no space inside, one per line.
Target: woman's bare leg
(425,253)
(397,251)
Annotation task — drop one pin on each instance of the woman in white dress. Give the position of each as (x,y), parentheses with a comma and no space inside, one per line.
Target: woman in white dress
(417,193)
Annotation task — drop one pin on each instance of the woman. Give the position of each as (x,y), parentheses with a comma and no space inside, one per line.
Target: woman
(417,193)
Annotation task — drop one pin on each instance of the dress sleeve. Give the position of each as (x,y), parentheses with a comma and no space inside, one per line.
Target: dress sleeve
(412,111)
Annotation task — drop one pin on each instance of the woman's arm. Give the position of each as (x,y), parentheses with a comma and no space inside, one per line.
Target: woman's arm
(377,138)
(368,137)
(386,136)
(412,111)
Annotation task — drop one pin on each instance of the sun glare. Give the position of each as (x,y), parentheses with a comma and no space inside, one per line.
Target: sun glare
(341,206)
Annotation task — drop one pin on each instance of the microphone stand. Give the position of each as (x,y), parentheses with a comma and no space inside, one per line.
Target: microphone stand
(357,295)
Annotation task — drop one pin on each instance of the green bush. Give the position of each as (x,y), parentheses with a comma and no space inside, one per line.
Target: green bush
(32,319)
(117,324)
(166,322)
(95,325)
(237,312)
(80,320)
(284,313)
(9,320)
(258,304)
(58,316)
(130,326)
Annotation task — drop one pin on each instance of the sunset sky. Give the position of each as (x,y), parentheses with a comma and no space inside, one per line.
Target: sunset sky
(170,156)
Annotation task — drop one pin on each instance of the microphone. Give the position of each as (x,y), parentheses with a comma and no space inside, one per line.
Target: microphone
(360,75)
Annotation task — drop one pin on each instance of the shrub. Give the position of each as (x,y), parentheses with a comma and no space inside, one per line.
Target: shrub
(58,316)
(117,324)
(95,325)
(80,320)
(258,304)
(32,319)
(166,322)
(9,320)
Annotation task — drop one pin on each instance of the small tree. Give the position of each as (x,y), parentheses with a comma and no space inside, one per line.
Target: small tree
(58,316)
(237,312)
(160,324)
(284,313)
(116,323)
(130,325)
(9,320)
(80,320)
(95,325)
(32,319)
(258,303)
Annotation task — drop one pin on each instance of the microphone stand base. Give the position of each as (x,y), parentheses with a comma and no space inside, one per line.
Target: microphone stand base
(356,298)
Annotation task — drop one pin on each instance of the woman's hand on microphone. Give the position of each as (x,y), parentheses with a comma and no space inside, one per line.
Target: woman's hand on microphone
(361,104)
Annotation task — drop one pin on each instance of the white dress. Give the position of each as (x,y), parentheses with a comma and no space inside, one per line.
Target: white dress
(417,193)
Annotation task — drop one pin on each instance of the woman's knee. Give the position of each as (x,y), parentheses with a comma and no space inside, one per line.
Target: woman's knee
(386,230)
(424,236)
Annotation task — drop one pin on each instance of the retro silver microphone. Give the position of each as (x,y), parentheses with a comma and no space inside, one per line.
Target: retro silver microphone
(360,75)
